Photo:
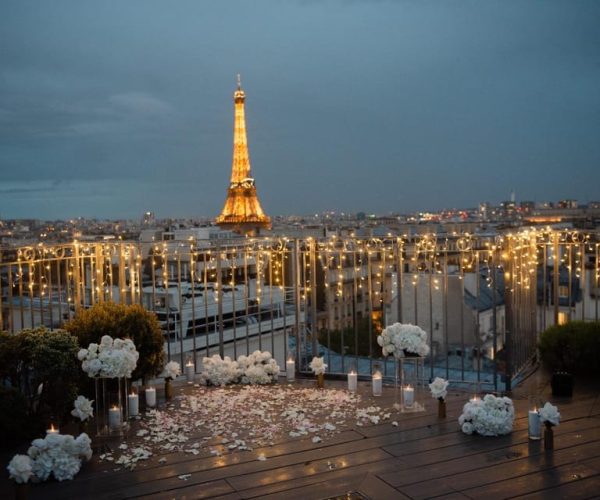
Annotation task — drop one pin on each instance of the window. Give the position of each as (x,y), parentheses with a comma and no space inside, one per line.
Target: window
(563,291)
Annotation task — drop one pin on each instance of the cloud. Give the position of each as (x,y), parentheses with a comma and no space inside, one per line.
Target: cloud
(140,102)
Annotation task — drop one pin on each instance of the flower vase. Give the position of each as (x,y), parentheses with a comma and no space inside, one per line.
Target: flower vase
(441,408)
(168,389)
(21,491)
(84,426)
(320,380)
(548,437)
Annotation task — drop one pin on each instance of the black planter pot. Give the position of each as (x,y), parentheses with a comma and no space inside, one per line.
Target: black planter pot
(562,384)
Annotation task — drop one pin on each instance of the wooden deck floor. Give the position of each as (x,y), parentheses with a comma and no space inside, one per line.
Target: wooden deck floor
(423,457)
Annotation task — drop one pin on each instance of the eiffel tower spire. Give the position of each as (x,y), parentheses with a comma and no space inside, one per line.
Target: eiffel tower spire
(242,211)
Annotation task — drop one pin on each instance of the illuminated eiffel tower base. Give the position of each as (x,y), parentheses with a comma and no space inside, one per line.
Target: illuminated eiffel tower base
(242,211)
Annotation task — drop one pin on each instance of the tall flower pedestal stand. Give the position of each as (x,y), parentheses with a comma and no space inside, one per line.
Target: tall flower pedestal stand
(112,409)
(411,376)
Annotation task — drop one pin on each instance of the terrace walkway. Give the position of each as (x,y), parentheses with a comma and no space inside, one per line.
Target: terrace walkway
(421,457)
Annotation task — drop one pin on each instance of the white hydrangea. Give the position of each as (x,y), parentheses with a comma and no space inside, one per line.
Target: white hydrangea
(398,337)
(219,371)
(59,455)
(490,416)
(20,468)
(258,368)
(110,359)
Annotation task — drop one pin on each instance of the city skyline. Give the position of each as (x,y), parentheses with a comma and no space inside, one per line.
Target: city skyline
(379,107)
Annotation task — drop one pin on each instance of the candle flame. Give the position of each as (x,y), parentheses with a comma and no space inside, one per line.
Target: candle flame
(52,429)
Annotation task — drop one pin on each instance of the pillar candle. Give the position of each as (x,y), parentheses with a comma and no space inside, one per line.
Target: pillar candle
(408,394)
(377,384)
(535,427)
(134,404)
(151,397)
(290,370)
(352,381)
(114,417)
(190,372)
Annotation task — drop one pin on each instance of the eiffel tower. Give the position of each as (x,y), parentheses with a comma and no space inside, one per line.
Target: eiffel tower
(242,211)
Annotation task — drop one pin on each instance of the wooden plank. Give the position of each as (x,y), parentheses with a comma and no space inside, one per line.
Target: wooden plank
(489,477)
(373,487)
(536,482)
(582,489)
(333,475)
(458,462)
(307,468)
(206,490)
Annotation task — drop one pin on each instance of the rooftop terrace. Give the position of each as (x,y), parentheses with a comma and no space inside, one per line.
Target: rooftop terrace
(404,455)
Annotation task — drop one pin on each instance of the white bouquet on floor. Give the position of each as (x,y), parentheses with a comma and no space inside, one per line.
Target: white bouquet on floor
(490,416)
(219,371)
(258,368)
(56,454)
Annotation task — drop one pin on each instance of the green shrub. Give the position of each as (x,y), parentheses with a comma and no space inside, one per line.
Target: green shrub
(122,321)
(572,347)
(41,367)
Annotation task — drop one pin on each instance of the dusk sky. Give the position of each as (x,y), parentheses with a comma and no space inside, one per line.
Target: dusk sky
(112,108)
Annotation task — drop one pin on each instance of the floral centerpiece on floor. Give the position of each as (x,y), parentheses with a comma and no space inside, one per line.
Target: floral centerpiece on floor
(439,391)
(56,454)
(111,358)
(258,368)
(219,371)
(318,366)
(401,338)
(171,371)
(550,417)
(490,416)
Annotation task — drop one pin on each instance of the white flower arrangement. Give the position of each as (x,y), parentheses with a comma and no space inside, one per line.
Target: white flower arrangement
(438,388)
(258,368)
(317,365)
(490,416)
(397,338)
(172,370)
(20,468)
(219,371)
(56,454)
(83,408)
(549,414)
(110,359)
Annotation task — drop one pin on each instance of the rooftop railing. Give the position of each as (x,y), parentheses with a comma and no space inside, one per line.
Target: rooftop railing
(482,299)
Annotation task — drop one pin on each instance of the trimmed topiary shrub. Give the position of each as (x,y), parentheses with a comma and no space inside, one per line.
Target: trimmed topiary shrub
(123,321)
(573,347)
(40,370)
